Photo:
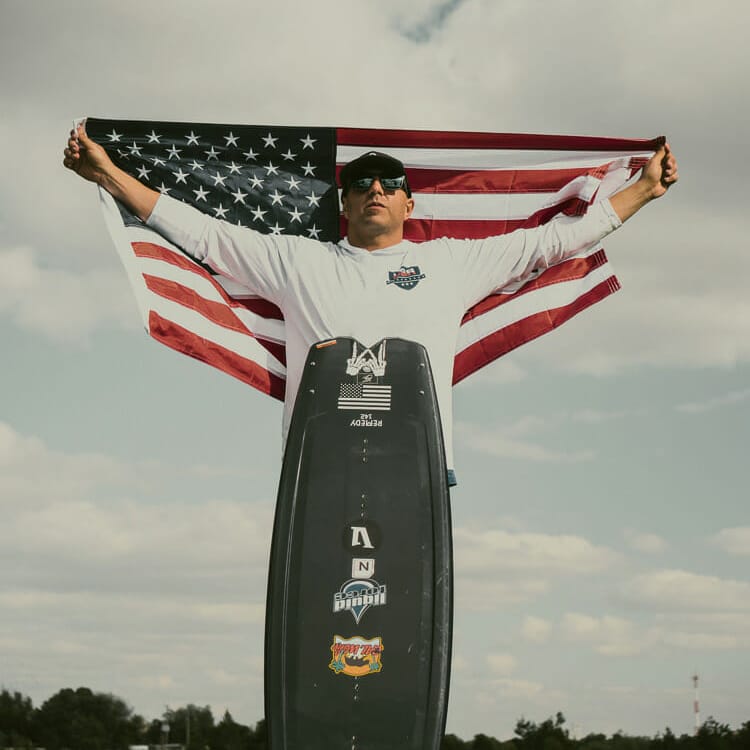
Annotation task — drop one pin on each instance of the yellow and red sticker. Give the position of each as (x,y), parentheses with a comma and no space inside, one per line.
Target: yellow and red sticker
(356,656)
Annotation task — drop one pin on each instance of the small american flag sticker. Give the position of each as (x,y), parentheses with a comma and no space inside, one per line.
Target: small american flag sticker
(365,396)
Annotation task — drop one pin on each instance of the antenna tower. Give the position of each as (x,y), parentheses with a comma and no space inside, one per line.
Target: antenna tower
(696,704)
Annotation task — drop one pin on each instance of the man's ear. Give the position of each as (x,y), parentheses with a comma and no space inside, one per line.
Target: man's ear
(409,208)
(344,206)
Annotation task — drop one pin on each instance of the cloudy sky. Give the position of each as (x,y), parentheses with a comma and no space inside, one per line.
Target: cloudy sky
(601,523)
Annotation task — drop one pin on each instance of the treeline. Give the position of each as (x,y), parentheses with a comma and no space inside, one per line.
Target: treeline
(83,720)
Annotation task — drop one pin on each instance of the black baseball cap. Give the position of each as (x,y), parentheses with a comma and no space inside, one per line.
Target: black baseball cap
(372,164)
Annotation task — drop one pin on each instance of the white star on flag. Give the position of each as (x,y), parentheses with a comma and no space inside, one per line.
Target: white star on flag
(239,196)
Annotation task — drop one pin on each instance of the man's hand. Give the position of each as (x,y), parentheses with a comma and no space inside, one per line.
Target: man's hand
(85,157)
(660,172)
(658,175)
(88,159)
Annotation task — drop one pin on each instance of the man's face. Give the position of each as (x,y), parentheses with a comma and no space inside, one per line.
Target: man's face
(376,209)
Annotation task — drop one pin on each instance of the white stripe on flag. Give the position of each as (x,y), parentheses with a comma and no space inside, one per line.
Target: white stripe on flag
(482,159)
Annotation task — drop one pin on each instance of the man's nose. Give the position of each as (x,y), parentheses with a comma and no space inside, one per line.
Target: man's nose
(375,187)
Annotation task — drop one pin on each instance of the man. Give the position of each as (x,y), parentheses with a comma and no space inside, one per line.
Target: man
(357,287)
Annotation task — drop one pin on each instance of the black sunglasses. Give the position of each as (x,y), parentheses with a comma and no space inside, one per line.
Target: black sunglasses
(361,184)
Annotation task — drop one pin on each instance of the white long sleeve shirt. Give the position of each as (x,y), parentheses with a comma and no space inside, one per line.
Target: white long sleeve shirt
(327,289)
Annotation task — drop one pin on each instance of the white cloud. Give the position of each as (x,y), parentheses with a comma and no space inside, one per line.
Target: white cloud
(594,416)
(705,641)
(616,636)
(33,472)
(680,589)
(536,629)
(487,595)
(488,552)
(495,567)
(607,635)
(707,631)
(502,443)
(735,541)
(526,689)
(501,664)
(645,542)
(61,304)
(502,371)
(153,593)
(728,399)
(670,313)
(55,538)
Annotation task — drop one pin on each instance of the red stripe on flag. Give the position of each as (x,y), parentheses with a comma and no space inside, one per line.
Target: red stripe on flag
(259,306)
(217,312)
(568,270)
(182,340)
(159,252)
(500,342)
(277,349)
(375,138)
(496,181)
(493,180)
(421,230)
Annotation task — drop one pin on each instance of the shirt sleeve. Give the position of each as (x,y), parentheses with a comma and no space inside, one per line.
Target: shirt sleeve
(258,261)
(484,266)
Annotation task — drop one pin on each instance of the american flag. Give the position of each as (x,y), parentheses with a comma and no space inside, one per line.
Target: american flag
(369,396)
(282,180)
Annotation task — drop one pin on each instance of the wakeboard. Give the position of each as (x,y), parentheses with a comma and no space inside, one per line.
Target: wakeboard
(359,608)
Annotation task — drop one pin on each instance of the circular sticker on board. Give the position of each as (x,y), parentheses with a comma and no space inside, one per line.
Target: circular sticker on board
(362,536)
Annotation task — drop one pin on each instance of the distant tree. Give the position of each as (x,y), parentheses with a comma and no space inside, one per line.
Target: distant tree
(16,720)
(666,741)
(712,735)
(483,742)
(195,721)
(229,735)
(621,741)
(259,736)
(451,742)
(84,720)
(549,735)
(593,742)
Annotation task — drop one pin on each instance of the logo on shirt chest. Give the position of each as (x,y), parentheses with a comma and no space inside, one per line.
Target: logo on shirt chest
(407,277)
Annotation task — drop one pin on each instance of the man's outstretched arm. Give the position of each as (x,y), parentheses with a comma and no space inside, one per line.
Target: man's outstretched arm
(658,175)
(90,161)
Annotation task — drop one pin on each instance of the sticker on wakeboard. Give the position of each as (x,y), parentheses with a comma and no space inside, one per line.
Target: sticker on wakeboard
(357,596)
(357,656)
(365,393)
(363,567)
(362,535)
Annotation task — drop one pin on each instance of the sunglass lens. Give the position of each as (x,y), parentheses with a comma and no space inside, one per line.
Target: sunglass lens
(388,183)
